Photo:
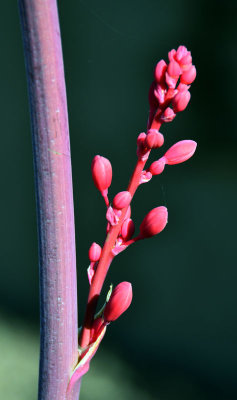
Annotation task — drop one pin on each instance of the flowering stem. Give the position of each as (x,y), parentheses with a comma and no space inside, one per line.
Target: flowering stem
(106,255)
(53,182)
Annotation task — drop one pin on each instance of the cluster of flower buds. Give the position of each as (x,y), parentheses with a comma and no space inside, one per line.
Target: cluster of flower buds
(168,95)
(153,223)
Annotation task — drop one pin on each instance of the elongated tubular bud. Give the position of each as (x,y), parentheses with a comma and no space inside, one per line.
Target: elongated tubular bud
(157,167)
(122,199)
(174,69)
(188,76)
(154,139)
(94,252)
(128,229)
(119,301)
(171,54)
(160,70)
(180,101)
(101,173)
(154,222)
(180,152)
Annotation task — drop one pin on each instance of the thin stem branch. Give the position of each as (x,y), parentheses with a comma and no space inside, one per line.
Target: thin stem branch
(106,255)
(53,182)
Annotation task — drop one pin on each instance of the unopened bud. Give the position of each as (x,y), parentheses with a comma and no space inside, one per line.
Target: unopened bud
(157,167)
(182,87)
(171,81)
(168,115)
(160,70)
(127,229)
(101,173)
(154,222)
(174,69)
(171,54)
(186,62)
(180,152)
(154,139)
(188,76)
(122,199)
(181,52)
(94,252)
(119,301)
(180,101)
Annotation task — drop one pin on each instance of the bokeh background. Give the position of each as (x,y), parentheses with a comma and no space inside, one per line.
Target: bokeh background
(178,340)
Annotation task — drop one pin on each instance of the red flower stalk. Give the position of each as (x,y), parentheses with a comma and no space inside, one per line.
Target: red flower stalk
(168,95)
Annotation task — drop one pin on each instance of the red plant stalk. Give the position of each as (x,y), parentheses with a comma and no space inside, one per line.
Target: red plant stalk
(53,182)
(169,88)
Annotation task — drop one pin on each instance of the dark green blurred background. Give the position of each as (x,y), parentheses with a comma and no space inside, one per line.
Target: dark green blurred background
(179,338)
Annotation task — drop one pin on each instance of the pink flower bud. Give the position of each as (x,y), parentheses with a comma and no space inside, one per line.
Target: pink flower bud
(157,167)
(94,252)
(141,139)
(181,52)
(171,81)
(168,115)
(186,62)
(188,76)
(154,139)
(174,69)
(182,87)
(180,101)
(160,71)
(172,54)
(154,222)
(128,229)
(119,301)
(122,199)
(180,152)
(101,173)
(142,152)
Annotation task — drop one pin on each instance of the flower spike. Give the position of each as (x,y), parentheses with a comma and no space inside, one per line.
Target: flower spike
(168,95)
